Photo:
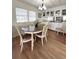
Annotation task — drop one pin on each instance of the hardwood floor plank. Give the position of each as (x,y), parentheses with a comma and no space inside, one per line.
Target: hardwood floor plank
(55,48)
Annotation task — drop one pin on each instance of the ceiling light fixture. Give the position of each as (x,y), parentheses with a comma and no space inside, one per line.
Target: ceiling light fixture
(42,7)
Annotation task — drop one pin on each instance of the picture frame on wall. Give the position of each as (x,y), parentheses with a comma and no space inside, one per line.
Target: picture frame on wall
(59,19)
(52,13)
(39,15)
(57,12)
(47,13)
(64,12)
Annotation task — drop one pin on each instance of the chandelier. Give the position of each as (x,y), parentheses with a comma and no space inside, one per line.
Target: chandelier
(42,7)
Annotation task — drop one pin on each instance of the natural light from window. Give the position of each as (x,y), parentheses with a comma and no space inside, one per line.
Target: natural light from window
(23,15)
(32,16)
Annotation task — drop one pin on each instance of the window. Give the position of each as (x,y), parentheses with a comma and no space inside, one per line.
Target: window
(32,16)
(21,15)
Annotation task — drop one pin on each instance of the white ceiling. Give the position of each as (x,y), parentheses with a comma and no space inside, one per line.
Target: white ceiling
(48,3)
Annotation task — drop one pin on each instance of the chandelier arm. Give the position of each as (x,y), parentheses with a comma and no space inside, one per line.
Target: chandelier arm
(42,7)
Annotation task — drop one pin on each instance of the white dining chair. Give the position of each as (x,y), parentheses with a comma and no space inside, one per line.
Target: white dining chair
(24,40)
(43,34)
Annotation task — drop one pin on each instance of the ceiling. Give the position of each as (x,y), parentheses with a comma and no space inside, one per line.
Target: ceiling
(48,3)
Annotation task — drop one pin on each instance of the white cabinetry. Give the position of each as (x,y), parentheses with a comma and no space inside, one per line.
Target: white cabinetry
(55,25)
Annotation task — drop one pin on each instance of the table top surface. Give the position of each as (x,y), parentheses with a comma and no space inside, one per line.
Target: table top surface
(31,29)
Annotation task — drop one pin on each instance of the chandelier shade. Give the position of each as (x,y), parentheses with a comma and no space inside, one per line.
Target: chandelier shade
(42,7)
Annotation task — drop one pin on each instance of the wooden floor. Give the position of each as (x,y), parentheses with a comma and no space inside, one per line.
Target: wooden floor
(55,48)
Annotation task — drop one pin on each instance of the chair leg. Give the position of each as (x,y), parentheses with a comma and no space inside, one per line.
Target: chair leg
(32,44)
(42,41)
(46,38)
(63,33)
(20,44)
(57,32)
(21,47)
(35,38)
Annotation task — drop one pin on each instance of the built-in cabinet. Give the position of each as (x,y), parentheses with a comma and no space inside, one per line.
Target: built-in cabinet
(54,25)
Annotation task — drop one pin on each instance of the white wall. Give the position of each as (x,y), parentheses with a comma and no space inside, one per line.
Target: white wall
(13,11)
(20,5)
(58,8)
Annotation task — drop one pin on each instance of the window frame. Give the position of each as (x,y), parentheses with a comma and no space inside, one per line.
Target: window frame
(27,15)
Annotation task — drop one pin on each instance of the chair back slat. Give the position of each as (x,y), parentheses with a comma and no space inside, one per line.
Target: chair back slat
(45,28)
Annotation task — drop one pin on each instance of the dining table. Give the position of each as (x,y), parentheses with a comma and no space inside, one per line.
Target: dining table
(31,30)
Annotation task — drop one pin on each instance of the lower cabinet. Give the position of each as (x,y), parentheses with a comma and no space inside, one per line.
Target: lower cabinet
(55,25)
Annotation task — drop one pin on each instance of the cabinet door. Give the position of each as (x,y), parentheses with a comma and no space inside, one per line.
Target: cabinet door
(52,26)
(49,25)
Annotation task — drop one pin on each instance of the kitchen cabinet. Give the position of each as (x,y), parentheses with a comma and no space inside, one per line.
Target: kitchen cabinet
(54,25)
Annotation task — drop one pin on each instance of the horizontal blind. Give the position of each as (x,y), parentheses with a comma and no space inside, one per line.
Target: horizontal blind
(32,16)
(21,15)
